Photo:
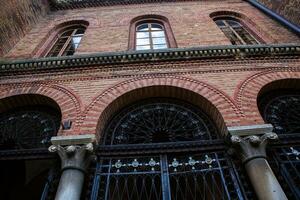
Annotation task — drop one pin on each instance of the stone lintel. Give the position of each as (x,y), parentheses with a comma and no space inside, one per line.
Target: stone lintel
(73,139)
(250,130)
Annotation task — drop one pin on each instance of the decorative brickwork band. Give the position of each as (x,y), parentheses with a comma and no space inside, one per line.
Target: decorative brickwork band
(74,161)
(252,151)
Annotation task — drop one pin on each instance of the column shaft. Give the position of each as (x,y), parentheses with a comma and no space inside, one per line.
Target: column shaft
(263,180)
(70,185)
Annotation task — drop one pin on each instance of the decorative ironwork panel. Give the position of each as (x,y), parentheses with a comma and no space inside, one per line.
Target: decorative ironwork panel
(130,179)
(282,111)
(159,120)
(286,165)
(198,176)
(27,128)
(206,176)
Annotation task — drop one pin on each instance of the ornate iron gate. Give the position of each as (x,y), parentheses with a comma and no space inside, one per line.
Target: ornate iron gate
(165,177)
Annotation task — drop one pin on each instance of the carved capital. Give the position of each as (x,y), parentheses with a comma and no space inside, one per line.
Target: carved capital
(74,156)
(253,146)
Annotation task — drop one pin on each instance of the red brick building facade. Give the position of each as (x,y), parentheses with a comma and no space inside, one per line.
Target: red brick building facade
(212,68)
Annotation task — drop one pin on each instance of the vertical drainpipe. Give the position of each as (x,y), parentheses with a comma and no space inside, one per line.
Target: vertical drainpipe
(272,14)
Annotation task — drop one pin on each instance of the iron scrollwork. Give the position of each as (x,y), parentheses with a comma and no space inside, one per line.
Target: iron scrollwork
(156,122)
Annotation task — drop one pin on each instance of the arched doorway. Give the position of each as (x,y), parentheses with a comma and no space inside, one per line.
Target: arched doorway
(27,123)
(279,104)
(163,148)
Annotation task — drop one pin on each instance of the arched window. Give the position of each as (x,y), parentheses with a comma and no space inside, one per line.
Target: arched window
(235,31)
(151,153)
(150,36)
(151,32)
(28,125)
(67,41)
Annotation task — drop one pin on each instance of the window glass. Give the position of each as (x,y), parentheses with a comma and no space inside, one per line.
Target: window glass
(159,40)
(68,41)
(235,32)
(143,47)
(142,41)
(150,36)
(156,27)
(143,27)
(142,34)
(158,34)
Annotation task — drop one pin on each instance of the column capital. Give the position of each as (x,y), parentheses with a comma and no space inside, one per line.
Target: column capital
(75,152)
(251,147)
(250,142)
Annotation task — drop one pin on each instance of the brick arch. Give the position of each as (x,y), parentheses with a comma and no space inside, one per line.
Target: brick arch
(102,107)
(248,91)
(68,103)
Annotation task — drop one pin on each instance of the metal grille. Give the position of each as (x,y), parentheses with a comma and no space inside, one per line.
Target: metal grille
(27,128)
(160,174)
(286,165)
(176,177)
(159,120)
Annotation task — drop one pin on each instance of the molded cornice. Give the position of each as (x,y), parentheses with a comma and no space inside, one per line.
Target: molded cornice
(177,54)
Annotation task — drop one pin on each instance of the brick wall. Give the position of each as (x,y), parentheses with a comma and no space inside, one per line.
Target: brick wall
(226,89)
(108,29)
(289,9)
(16,19)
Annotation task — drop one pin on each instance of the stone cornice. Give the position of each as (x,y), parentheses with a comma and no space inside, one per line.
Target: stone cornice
(170,55)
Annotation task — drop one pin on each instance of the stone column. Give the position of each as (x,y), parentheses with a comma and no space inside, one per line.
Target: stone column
(75,153)
(252,151)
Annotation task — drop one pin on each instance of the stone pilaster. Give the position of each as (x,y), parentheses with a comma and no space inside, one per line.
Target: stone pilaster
(75,154)
(252,151)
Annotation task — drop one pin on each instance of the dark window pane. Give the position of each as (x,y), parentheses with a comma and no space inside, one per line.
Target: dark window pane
(67,33)
(142,27)
(80,31)
(156,27)
(233,23)
(220,23)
